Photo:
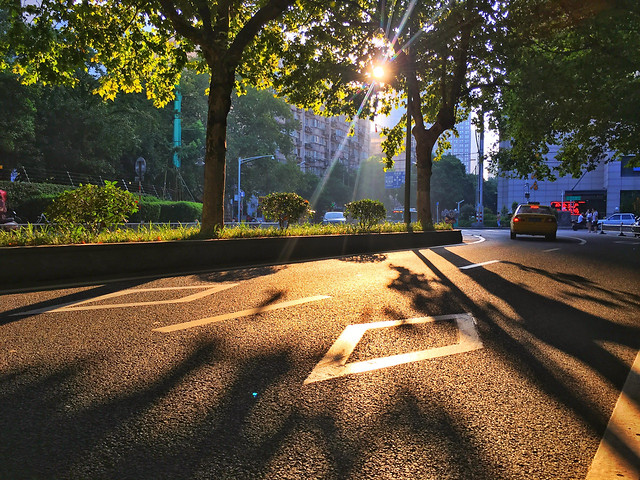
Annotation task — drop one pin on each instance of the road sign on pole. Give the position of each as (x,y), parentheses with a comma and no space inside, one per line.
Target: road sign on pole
(393,179)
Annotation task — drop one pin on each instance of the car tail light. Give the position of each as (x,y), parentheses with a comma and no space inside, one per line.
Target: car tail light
(517,219)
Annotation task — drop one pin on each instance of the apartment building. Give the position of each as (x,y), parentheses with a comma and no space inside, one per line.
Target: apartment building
(320,139)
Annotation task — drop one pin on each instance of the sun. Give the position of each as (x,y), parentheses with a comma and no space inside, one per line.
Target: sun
(378,72)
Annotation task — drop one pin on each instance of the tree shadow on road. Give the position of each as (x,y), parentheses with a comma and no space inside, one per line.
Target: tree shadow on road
(20,313)
(555,324)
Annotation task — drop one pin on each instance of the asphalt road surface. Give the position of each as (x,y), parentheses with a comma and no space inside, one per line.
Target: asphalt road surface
(492,359)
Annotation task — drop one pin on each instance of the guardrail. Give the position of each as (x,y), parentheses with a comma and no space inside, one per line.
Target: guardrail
(617,229)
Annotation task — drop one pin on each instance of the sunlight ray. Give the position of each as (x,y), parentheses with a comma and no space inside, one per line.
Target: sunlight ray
(332,164)
(403,23)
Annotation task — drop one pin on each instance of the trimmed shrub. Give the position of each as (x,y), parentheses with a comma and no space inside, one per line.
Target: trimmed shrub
(285,208)
(148,211)
(31,208)
(368,212)
(183,212)
(21,193)
(97,208)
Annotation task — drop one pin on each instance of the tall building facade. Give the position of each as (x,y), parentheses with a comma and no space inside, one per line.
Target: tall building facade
(320,140)
(461,146)
(611,187)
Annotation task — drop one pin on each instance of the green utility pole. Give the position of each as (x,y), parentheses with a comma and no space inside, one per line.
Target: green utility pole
(177,126)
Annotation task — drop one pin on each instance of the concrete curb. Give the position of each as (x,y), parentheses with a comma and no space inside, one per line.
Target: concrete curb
(29,266)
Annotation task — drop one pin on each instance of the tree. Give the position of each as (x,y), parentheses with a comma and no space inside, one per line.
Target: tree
(17,123)
(450,183)
(572,82)
(437,56)
(132,46)
(259,124)
(371,183)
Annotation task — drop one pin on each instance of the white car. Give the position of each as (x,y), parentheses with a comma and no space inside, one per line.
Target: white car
(333,217)
(618,218)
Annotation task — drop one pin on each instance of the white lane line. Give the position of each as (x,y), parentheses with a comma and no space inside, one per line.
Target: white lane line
(581,240)
(551,250)
(73,306)
(474,265)
(627,242)
(623,432)
(243,313)
(480,239)
(333,364)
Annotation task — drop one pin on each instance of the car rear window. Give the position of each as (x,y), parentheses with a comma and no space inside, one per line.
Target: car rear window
(333,215)
(535,209)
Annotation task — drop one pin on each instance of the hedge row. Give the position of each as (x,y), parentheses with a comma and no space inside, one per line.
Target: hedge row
(29,200)
(161,211)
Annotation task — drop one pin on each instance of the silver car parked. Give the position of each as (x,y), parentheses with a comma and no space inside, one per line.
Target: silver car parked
(333,217)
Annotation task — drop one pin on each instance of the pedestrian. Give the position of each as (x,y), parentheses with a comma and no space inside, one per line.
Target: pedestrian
(589,220)
(594,221)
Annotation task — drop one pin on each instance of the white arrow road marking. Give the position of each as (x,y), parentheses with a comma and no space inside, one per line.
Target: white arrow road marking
(623,431)
(334,364)
(73,306)
(243,313)
(474,265)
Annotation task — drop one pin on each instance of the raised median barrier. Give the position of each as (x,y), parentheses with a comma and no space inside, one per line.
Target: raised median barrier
(27,266)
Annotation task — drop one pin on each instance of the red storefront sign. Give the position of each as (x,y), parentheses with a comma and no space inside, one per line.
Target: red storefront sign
(570,206)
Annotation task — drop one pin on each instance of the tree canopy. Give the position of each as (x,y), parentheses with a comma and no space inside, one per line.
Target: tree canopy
(572,81)
(130,46)
(438,57)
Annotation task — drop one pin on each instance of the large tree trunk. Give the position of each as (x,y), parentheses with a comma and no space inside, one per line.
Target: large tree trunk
(220,92)
(425,141)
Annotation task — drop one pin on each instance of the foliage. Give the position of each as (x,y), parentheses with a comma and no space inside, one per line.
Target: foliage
(31,208)
(452,60)
(20,192)
(131,46)
(370,183)
(97,208)
(49,235)
(180,212)
(148,211)
(285,208)
(368,212)
(450,184)
(572,89)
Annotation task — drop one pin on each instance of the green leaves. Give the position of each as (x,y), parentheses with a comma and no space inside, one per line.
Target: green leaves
(368,212)
(572,83)
(92,207)
(285,208)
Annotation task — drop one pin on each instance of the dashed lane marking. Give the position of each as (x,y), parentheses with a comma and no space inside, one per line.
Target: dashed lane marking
(551,250)
(74,306)
(475,265)
(627,242)
(243,313)
(333,364)
(618,455)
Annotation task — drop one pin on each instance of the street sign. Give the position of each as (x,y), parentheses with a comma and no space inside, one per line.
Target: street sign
(141,167)
(393,179)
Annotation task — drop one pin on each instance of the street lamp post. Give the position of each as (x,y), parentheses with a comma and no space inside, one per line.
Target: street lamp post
(240,162)
(458,210)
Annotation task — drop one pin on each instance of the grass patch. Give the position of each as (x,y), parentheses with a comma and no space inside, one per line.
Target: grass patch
(31,235)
